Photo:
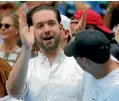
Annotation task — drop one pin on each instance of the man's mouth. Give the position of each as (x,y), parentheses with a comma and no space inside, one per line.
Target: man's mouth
(48,38)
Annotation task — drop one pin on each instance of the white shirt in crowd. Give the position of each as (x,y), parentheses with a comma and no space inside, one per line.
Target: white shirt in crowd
(57,82)
(64,80)
(110,85)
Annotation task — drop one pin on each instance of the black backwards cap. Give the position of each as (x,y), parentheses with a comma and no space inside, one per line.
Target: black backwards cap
(91,44)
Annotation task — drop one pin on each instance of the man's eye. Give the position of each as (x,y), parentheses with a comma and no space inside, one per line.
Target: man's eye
(51,23)
(39,26)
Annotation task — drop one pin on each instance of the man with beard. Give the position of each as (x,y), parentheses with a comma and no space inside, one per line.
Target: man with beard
(51,76)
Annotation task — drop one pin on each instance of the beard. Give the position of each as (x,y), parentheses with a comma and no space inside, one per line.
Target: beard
(55,43)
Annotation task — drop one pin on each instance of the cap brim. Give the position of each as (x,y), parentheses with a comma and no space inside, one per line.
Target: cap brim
(69,50)
(105,29)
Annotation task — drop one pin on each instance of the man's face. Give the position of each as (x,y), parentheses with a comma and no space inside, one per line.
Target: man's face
(47,29)
(86,65)
(81,62)
(73,24)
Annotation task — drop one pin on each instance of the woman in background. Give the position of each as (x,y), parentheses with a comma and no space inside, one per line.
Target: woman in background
(9,31)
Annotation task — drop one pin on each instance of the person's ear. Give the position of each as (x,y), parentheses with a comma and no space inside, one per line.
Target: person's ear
(16,32)
(67,33)
(85,62)
(61,27)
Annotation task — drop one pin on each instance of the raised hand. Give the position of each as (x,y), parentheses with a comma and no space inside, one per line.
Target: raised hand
(82,22)
(26,33)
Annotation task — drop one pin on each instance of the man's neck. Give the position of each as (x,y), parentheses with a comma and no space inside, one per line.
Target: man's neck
(8,45)
(64,43)
(51,55)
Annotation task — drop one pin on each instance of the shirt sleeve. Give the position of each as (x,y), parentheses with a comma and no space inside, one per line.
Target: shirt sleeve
(30,68)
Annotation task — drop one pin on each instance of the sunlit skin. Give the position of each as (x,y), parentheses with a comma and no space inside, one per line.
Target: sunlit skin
(47,29)
(72,26)
(8,33)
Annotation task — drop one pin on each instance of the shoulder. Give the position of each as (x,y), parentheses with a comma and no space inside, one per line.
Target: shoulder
(8,98)
(71,61)
(113,94)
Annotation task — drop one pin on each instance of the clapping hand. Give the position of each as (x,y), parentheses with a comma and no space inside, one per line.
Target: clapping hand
(26,33)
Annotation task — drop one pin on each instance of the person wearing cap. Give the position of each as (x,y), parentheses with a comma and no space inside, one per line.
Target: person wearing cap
(66,32)
(91,50)
(94,21)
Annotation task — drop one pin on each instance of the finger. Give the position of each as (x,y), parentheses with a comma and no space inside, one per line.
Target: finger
(82,22)
(24,31)
(20,17)
(32,30)
(24,19)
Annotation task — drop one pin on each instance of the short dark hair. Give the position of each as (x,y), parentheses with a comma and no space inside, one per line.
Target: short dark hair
(40,8)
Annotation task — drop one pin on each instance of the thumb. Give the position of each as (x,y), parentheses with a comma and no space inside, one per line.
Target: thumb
(32,30)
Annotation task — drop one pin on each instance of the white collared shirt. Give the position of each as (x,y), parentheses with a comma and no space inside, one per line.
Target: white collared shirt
(57,82)
(64,80)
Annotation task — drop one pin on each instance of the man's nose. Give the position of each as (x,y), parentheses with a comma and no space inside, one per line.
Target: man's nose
(47,29)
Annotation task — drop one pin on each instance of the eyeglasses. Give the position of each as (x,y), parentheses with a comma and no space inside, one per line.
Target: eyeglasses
(5,25)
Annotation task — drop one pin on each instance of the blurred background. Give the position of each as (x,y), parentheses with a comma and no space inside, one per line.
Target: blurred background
(67,8)
(109,11)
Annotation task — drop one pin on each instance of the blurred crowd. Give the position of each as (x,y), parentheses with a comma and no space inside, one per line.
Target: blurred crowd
(106,14)
(107,9)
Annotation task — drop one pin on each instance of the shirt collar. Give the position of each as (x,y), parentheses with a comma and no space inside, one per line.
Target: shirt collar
(60,57)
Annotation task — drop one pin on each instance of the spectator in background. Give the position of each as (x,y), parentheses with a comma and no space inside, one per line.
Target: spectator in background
(94,21)
(70,8)
(29,5)
(98,6)
(111,18)
(6,8)
(9,30)
(66,33)
(5,69)
(61,7)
